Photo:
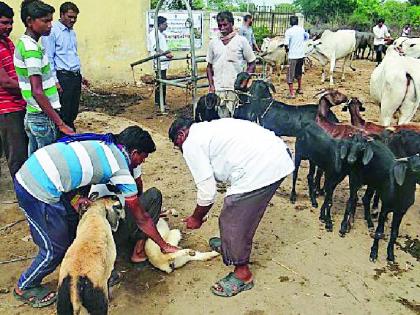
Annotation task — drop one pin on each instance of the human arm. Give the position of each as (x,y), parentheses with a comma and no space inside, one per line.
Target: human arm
(210,75)
(145,223)
(6,82)
(45,105)
(254,42)
(249,56)
(49,43)
(139,183)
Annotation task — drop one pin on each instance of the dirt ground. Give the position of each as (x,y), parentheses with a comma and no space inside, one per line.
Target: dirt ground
(299,268)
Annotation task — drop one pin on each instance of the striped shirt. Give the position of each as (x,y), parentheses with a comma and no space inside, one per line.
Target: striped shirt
(59,168)
(9,103)
(30,59)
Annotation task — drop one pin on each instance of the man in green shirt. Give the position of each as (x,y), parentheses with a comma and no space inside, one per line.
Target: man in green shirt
(38,86)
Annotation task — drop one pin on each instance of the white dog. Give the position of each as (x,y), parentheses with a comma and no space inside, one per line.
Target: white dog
(169,262)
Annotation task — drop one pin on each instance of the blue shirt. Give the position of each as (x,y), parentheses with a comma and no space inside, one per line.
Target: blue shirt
(59,168)
(248,33)
(61,46)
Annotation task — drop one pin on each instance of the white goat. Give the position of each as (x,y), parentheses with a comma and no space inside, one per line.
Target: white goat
(333,46)
(169,262)
(273,52)
(395,85)
(87,265)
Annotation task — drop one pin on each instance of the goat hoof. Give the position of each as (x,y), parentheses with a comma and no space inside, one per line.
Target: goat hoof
(342,233)
(373,259)
(329,227)
(191,252)
(391,260)
(322,219)
(293,198)
(379,236)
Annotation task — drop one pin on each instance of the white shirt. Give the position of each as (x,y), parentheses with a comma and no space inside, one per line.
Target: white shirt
(294,38)
(239,152)
(228,60)
(163,45)
(103,190)
(379,34)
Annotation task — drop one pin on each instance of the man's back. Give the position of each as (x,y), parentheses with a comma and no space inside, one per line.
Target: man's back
(295,37)
(236,151)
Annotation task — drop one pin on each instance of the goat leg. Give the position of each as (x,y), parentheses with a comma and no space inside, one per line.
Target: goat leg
(378,234)
(311,185)
(396,221)
(330,185)
(298,160)
(318,190)
(366,205)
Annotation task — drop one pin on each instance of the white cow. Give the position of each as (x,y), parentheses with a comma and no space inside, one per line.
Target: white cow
(333,46)
(395,84)
(408,46)
(273,52)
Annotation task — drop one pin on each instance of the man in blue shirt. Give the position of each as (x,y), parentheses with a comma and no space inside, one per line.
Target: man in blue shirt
(247,31)
(44,183)
(294,39)
(61,46)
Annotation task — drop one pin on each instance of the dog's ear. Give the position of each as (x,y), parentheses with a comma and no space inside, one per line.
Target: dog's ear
(114,213)
(367,154)
(399,172)
(94,196)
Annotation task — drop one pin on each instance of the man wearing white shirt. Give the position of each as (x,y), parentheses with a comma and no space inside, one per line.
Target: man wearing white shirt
(163,46)
(294,39)
(254,161)
(380,32)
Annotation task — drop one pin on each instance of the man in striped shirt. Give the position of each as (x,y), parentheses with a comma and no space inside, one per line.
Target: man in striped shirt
(12,106)
(35,78)
(53,171)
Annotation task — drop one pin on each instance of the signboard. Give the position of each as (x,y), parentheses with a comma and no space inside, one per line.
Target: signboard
(178,32)
(214,31)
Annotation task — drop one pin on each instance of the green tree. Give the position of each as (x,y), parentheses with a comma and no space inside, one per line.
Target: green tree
(325,11)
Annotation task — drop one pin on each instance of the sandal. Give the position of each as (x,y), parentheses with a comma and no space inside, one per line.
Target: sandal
(299,91)
(230,286)
(215,244)
(35,296)
(290,96)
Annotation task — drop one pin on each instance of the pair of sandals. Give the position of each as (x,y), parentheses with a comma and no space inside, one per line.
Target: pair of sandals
(292,96)
(230,285)
(40,296)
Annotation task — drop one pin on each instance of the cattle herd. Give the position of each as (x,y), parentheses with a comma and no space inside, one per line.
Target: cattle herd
(383,157)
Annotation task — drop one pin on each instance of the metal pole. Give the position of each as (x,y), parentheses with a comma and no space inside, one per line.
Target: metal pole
(158,64)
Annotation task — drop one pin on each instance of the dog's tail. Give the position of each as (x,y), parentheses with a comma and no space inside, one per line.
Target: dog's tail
(64,303)
(94,299)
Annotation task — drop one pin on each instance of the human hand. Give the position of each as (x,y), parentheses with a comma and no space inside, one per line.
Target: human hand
(59,88)
(81,203)
(212,89)
(193,223)
(66,130)
(169,55)
(168,248)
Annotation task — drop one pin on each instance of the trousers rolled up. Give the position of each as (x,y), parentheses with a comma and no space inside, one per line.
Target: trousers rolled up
(71,83)
(239,219)
(53,229)
(128,232)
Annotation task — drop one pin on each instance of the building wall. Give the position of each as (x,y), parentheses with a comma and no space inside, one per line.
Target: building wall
(111,35)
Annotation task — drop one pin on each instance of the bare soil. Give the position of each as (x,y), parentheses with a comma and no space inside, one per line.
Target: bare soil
(299,267)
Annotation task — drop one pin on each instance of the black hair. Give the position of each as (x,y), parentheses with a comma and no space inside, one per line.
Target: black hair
(34,9)
(294,20)
(381,20)
(135,138)
(247,17)
(161,20)
(67,6)
(5,10)
(177,125)
(225,15)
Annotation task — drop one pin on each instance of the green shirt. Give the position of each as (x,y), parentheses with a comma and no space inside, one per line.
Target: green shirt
(30,59)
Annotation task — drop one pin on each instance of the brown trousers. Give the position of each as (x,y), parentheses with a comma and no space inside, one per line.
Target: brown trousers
(14,140)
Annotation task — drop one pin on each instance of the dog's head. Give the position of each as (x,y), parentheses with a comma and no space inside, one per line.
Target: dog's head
(111,206)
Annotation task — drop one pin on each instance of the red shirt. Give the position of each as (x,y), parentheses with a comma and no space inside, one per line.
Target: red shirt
(8,102)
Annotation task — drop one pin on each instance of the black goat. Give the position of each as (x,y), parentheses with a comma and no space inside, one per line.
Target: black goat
(206,109)
(395,181)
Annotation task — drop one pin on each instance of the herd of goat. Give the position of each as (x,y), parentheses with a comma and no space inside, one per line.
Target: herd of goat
(386,159)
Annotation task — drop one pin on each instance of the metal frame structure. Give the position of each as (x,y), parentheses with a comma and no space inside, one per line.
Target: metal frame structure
(188,82)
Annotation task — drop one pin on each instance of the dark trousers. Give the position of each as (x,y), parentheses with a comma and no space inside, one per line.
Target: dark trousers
(157,93)
(14,140)
(53,229)
(71,83)
(379,50)
(128,232)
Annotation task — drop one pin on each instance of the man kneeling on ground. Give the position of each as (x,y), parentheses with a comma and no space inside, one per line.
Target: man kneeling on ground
(254,162)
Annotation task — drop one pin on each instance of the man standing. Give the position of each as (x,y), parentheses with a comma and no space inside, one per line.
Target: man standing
(52,172)
(226,56)
(164,65)
(294,39)
(247,32)
(380,33)
(12,106)
(61,46)
(36,80)
(254,161)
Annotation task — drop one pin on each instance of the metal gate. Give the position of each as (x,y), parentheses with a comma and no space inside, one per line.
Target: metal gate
(276,22)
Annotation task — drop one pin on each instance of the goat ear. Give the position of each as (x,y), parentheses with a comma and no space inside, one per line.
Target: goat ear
(114,214)
(271,85)
(399,172)
(367,155)
(344,150)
